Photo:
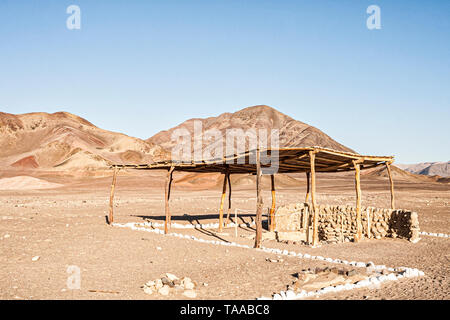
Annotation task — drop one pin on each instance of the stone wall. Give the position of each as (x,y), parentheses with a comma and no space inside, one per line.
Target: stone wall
(338,223)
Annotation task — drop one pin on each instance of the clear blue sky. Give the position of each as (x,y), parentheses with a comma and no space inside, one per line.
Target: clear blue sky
(139,67)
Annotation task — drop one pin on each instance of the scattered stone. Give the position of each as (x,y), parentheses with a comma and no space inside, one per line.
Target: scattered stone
(165,285)
(164,291)
(158,284)
(148,290)
(188,285)
(190,294)
(351,273)
(150,283)
(36,258)
(166,281)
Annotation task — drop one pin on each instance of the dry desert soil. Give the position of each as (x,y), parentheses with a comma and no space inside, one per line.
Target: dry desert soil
(63,222)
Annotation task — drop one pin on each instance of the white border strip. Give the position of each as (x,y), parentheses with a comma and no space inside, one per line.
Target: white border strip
(193,226)
(432,234)
(403,272)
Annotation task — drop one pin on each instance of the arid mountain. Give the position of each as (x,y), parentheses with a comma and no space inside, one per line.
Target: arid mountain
(428,168)
(292,133)
(400,174)
(64,141)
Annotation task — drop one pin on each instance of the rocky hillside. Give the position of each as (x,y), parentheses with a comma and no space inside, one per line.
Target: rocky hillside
(428,168)
(65,141)
(292,133)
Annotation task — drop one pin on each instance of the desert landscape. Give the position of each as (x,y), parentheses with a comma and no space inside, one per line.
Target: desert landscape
(55,189)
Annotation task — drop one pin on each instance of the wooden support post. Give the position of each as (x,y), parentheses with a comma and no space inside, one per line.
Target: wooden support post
(235,223)
(259,202)
(111,197)
(229,200)
(388,167)
(222,200)
(358,235)
(312,160)
(307,186)
(167,188)
(272,209)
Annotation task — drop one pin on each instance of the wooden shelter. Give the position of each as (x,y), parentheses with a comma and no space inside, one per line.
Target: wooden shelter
(271,161)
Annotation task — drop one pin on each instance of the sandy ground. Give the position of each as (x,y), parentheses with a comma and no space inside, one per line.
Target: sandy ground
(66,226)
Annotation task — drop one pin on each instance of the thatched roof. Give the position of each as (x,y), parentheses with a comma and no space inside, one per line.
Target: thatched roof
(289,160)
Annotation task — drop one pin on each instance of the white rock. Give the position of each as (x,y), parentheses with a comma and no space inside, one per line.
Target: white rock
(276,296)
(329,289)
(363,283)
(290,295)
(190,294)
(148,290)
(360,265)
(6,236)
(392,277)
(189,285)
(164,291)
(158,284)
(36,258)
(151,283)
(339,287)
(382,278)
(349,286)
(171,276)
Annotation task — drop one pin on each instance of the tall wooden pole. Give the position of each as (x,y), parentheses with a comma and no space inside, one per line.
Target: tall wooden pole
(229,199)
(358,235)
(391,182)
(111,197)
(167,188)
(272,209)
(312,160)
(259,201)
(222,200)
(307,187)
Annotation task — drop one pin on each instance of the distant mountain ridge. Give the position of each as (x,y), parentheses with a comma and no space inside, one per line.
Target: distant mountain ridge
(292,133)
(65,141)
(428,168)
